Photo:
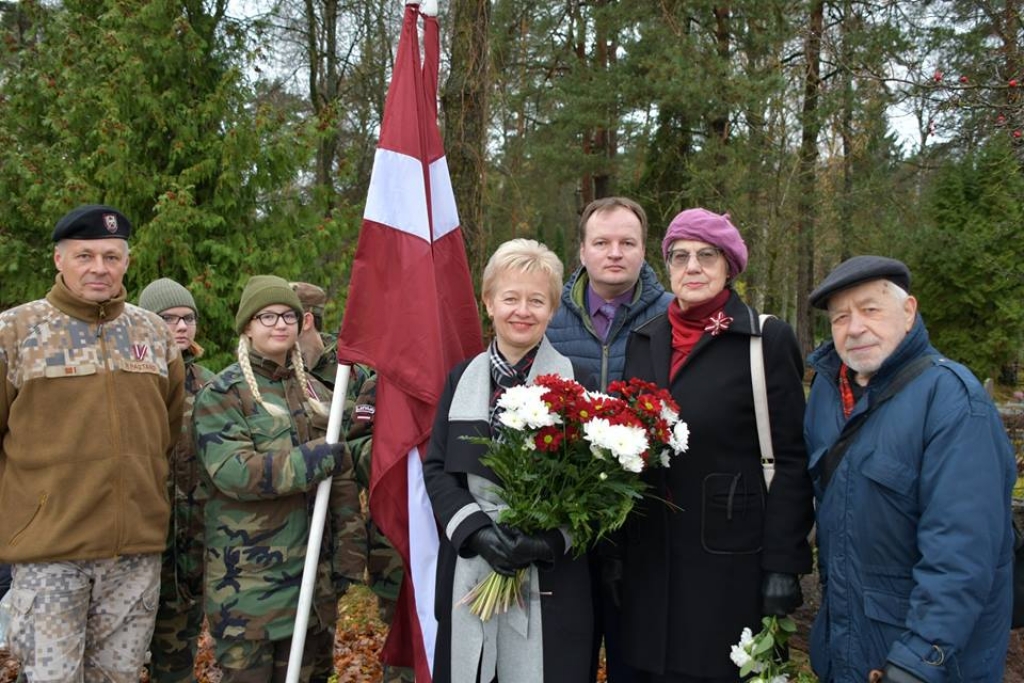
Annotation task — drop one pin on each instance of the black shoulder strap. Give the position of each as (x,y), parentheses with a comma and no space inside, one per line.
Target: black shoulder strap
(834,456)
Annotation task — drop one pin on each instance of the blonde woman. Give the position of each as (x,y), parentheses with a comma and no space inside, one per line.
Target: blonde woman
(548,639)
(259,429)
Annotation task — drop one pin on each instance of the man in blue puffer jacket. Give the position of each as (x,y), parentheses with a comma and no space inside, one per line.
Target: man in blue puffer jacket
(613,291)
(915,540)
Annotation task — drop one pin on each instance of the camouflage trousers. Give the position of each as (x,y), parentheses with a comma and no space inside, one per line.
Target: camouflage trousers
(175,643)
(266,661)
(84,621)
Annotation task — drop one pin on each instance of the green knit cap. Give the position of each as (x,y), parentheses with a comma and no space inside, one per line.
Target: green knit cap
(261,291)
(159,295)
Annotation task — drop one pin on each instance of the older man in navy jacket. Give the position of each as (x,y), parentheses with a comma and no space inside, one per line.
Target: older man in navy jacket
(914,533)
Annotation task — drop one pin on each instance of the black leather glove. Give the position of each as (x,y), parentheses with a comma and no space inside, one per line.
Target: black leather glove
(490,543)
(894,674)
(611,579)
(541,549)
(781,594)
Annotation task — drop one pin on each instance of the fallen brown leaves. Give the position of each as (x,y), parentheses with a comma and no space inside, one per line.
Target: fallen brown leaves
(357,645)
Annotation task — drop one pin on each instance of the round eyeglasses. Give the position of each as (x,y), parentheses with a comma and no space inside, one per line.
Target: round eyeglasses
(269,318)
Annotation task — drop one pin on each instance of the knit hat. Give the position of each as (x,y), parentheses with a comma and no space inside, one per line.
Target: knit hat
(92,222)
(706,226)
(262,291)
(858,270)
(312,298)
(159,295)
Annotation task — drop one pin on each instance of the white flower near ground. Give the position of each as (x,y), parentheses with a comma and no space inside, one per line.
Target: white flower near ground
(739,656)
(680,439)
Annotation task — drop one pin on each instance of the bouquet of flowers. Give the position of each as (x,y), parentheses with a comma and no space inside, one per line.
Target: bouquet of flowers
(761,655)
(571,459)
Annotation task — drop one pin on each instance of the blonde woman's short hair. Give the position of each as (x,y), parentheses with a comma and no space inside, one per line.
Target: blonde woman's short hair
(523,256)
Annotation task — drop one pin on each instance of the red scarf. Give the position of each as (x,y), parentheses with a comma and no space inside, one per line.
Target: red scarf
(846,391)
(688,326)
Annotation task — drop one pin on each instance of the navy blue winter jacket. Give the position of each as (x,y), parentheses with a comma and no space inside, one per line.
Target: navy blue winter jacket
(914,534)
(572,332)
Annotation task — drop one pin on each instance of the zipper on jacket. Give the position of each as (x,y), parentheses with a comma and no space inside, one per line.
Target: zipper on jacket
(605,351)
(17,537)
(115,436)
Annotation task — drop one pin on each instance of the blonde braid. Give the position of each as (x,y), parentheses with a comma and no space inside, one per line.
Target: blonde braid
(250,378)
(299,367)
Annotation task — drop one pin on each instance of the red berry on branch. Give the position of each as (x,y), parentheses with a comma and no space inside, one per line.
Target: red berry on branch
(937,76)
(1017,134)
(963,79)
(1013,82)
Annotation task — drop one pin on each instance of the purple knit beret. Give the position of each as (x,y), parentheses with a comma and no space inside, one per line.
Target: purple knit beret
(706,226)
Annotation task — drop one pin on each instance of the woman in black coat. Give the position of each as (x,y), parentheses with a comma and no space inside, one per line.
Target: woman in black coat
(725,550)
(548,639)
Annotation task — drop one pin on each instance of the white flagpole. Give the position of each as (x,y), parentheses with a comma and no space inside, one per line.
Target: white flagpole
(316,532)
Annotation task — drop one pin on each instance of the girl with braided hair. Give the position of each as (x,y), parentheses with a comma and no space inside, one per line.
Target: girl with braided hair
(260,428)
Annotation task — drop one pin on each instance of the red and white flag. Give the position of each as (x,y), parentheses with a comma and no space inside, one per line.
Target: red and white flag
(412,315)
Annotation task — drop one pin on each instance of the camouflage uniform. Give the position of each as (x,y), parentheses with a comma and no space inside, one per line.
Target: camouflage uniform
(383,563)
(261,470)
(179,618)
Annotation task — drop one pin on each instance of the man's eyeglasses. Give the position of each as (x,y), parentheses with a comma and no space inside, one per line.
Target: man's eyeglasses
(173,320)
(706,257)
(269,319)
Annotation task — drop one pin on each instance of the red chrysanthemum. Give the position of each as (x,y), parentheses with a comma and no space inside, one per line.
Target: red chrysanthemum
(548,439)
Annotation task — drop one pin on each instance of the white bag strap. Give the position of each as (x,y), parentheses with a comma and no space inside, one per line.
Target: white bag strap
(764,429)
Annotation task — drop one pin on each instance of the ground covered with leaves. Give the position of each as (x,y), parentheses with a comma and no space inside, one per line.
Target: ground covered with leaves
(358,643)
(361,635)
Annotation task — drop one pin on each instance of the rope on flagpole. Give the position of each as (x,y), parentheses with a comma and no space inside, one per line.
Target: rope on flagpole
(316,531)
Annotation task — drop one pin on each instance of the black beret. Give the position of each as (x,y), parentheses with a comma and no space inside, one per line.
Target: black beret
(860,269)
(92,222)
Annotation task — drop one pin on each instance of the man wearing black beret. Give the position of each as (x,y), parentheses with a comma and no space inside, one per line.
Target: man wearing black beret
(913,476)
(91,402)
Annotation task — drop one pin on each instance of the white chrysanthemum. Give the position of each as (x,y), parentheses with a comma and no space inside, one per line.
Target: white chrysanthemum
(631,463)
(627,442)
(665,457)
(783,678)
(668,415)
(512,419)
(680,440)
(597,396)
(596,431)
(746,638)
(515,398)
(537,415)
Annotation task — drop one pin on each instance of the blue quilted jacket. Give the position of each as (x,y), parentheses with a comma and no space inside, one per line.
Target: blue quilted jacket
(572,332)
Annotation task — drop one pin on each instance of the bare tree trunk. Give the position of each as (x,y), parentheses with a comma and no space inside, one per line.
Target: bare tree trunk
(807,205)
(322,49)
(465,120)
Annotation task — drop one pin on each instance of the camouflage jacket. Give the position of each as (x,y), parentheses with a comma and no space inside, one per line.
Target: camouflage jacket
(91,398)
(261,471)
(182,573)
